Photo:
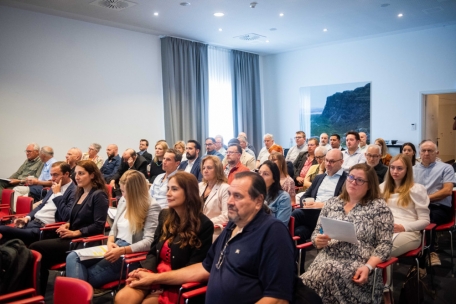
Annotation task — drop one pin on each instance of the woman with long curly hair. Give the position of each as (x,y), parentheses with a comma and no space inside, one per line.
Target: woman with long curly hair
(182,238)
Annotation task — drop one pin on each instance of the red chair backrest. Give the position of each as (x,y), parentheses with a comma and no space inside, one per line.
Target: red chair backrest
(109,189)
(291,224)
(7,196)
(72,291)
(24,204)
(36,269)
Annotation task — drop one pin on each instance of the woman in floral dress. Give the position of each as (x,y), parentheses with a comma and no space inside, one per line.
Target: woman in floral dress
(342,272)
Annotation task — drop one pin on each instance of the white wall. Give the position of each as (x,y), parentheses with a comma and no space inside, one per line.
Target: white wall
(66,83)
(400,67)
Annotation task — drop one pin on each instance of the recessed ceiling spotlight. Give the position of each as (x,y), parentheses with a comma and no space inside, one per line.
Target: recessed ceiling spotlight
(185,3)
(400,15)
(219,14)
(281,14)
(253,4)
(384,5)
(220,29)
(325,30)
(267,41)
(155,14)
(273,29)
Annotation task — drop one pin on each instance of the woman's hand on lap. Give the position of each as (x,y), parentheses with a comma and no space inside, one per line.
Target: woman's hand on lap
(114,254)
(361,275)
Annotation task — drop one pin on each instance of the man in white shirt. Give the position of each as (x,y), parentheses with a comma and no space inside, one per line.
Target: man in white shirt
(324,139)
(193,163)
(55,207)
(245,145)
(353,154)
(362,142)
(263,156)
(219,146)
(171,161)
(334,141)
(301,146)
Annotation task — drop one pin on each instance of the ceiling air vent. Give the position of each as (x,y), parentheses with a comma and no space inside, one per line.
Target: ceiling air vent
(433,10)
(116,5)
(252,37)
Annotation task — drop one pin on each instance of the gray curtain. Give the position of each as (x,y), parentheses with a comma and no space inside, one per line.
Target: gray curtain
(185,89)
(246,97)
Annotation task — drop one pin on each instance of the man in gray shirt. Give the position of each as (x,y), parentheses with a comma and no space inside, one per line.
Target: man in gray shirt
(301,146)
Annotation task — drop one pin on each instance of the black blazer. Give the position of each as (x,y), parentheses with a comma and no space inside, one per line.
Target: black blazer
(147,156)
(140,164)
(63,203)
(181,257)
(91,218)
(299,163)
(196,168)
(313,189)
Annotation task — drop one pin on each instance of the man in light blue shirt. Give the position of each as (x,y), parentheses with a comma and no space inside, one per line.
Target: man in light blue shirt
(35,185)
(353,154)
(438,178)
(158,190)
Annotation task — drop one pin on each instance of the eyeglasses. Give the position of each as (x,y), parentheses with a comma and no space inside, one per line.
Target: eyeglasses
(298,137)
(372,155)
(28,151)
(358,181)
(320,157)
(230,152)
(209,144)
(427,151)
(332,162)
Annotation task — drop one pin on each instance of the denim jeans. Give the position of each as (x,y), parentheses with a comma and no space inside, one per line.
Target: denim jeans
(96,271)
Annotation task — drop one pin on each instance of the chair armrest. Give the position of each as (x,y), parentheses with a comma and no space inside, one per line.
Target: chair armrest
(32,300)
(391,261)
(296,238)
(430,227)
(88,239)
(194,293)
(191,285)
(136,259)
(18,294)
(49,227)
(135,254)
(305,245)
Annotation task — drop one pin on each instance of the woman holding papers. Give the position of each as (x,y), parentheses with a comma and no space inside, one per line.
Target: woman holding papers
(133,231)
(87,218)
(182,238)
(277,200)
(409,203)
(341,271)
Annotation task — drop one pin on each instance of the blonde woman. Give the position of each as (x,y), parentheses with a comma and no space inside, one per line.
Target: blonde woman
(92,155)
(156,164)
(180,146)
(133,231)
(408,201)
(286,182)
(386,157)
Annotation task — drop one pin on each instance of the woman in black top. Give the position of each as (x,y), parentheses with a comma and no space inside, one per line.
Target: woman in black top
(156,164)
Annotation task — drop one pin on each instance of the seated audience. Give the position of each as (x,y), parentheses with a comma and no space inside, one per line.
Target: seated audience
(234,165)
(246,159)
(268,140)
(34,187)
(249,145)
(143,145)
(133,231)
(353,154)
(319,168)
(210,148)
(55,207)
(409,149)
(193,163)
(214,192)
(31,167)
(158,190)
(92,155)
(112,164)
(286,182)
(219,145)
(408,201)
(304,161)
(362,142)
(183,237)
(156,167)
(340,271)
(87,218)
(263,275)
(245,146)
(180,146)
(386,157)
(324,141)
(373,155)
(275,148)
(334,141)
(301,146)
(130,161)
(277,200)
(72,157)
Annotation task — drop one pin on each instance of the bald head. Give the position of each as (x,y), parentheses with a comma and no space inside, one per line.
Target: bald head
(73,156)
(112,150)
(334,160)
(46,153)
(129,153)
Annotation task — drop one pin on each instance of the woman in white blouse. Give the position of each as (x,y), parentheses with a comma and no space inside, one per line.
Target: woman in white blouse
(408,201)
(214,192)
(133,231)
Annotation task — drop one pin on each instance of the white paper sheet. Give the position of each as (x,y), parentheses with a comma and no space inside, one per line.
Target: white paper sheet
(89,253)
(339,230)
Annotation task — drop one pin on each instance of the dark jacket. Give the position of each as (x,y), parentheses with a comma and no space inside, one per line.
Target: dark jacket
(380,169)
(147,156)
(299,163)
(181,257)
(140,164)
(91,218)
(110,167)
(196,169)
(313,189)
(64,204)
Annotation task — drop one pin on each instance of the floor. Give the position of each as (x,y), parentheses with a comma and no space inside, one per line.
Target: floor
(444,283)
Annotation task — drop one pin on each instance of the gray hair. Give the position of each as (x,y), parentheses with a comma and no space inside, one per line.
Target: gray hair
(47,150)
(36,146)
(431,141)
(269,136)
(96,146)
(219,136)
(321,149)
(375,146)
(242,138)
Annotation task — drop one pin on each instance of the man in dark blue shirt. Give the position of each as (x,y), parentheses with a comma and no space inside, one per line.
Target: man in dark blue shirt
(253,260)
(111,165)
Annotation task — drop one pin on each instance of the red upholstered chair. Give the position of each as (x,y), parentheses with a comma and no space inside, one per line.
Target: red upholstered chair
(23,207)
(450,227)
(186,296)
(29,292)
(7,198)
(291,226)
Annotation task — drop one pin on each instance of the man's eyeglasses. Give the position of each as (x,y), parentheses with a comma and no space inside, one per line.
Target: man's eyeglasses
(28,151)
(230,152)
(332,162)
(209,144)
(298,137)
(372,155)
(358,181)
(320,157)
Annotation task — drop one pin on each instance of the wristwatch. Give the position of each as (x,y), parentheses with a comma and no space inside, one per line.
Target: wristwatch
(369,267)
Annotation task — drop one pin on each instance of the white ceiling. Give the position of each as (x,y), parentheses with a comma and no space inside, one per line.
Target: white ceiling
(301,26)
